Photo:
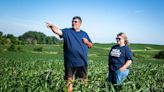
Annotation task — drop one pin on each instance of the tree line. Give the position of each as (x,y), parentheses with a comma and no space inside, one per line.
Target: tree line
(30,37)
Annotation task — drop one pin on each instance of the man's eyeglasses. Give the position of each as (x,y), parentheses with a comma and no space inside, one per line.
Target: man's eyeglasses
(74,21)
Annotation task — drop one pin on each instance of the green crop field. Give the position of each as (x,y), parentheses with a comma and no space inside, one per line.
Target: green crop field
(28,70)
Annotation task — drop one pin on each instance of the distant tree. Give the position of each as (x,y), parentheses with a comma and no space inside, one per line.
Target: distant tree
(1,34)
(21,40)
(34,42)
(49,40)
(10,36)
(30,37)
(160,55)
(9,39)
(12,48)
(12,39)
(3,41)
(55,40)
(33,36)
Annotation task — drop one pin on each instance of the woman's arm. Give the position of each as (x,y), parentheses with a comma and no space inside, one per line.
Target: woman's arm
(126,65)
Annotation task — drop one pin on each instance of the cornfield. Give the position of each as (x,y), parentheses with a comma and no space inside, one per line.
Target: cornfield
(38,72)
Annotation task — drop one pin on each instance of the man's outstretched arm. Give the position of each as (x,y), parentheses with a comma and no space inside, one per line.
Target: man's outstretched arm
(54,29)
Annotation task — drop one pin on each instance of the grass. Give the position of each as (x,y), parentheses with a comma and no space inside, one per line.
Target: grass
(43,71)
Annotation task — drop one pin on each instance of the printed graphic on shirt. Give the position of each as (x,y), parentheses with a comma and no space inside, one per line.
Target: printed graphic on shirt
(115,52)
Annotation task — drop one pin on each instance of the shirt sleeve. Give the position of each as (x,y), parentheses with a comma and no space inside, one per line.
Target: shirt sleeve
(129,54)
(63,33)
(86,35)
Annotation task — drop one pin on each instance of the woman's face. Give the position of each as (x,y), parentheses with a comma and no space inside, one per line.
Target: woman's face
(120,40)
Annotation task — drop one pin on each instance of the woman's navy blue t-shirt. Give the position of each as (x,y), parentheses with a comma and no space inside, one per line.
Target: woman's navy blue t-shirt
(118,57)
(75,51)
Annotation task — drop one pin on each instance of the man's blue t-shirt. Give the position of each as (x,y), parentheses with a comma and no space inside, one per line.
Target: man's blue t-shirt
(118,57)
(75,50)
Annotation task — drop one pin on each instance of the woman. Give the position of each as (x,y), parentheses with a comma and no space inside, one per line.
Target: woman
(120,57)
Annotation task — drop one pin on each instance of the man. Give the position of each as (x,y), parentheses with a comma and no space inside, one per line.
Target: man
(76,44)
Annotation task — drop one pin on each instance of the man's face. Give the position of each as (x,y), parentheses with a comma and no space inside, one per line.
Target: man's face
(76,23)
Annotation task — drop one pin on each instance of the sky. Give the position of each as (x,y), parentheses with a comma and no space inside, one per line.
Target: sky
(141,20)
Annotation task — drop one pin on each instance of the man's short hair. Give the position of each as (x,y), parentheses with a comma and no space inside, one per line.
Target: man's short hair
(77,17)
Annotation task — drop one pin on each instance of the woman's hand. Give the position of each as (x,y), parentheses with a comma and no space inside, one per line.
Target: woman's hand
(126,65)
(122,69)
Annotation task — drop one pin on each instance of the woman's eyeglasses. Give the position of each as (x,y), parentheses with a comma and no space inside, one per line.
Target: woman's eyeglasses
(118,39)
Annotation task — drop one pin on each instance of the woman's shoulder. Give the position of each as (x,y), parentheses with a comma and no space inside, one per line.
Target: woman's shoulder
(115,46)
(127,48)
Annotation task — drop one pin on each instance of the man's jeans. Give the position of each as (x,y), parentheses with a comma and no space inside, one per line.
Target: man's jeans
(117,77)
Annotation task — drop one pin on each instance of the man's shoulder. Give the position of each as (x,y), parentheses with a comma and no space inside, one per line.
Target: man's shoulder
(66,29)
(83,32)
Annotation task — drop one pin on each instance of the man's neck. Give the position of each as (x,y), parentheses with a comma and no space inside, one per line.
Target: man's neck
(77,29)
